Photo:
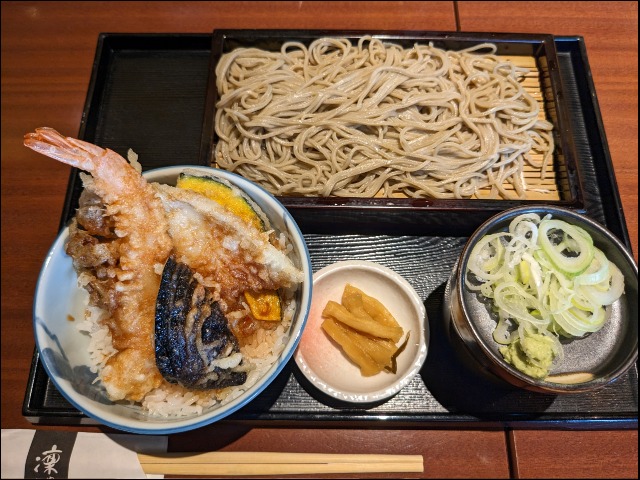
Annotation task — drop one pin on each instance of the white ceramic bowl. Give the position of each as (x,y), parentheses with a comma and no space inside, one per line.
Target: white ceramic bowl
(322,361)
(63,348)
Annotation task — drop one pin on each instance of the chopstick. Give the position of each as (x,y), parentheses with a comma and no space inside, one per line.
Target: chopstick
(276,463)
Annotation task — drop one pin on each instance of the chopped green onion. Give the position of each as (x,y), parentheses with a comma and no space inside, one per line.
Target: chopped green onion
(571,252)
(544,277)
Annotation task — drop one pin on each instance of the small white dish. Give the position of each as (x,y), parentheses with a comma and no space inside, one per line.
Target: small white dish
(323,362)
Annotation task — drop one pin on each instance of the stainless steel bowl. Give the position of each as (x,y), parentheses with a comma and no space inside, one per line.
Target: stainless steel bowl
(590,362)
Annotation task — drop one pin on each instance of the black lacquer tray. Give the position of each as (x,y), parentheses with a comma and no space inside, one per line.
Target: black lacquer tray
(148,93)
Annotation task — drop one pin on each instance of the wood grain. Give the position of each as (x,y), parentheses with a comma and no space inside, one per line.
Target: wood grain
(47,57)
(602,454)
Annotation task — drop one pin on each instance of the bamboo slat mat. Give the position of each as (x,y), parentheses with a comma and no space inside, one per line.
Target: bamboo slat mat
(539,186)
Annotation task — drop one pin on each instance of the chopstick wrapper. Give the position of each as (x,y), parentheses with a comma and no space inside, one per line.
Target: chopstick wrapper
(56,454)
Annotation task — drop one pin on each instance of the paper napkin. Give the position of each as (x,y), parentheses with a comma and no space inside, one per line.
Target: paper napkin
(57,454)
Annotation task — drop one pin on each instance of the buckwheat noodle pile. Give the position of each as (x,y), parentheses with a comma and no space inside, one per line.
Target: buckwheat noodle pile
(336,119)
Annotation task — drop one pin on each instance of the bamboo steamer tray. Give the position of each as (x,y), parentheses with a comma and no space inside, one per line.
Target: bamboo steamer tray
(559,183)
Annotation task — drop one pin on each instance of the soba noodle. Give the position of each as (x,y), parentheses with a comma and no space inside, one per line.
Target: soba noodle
(333,119)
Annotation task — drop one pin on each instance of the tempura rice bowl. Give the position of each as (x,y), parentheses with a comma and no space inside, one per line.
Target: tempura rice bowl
(68,353)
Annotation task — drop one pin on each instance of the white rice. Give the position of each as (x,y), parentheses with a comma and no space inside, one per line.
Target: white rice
(169,400)
(100,341)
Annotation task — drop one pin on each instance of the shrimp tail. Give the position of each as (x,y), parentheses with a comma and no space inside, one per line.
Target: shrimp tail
(114,174)
(76,153)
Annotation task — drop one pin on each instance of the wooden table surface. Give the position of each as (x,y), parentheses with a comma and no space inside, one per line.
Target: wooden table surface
(47,55)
